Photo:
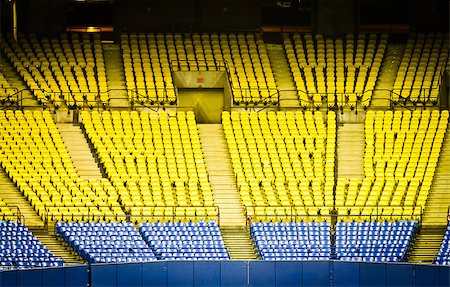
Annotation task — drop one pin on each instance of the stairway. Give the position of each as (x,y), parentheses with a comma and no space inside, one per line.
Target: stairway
(15,80)
(115,75)
(426,245)
(79,151)
(58,247)
(226,196)
(239,243)
(387,75)
(14,198)
(434,218)
(435,213)
(283,76)
(350,151)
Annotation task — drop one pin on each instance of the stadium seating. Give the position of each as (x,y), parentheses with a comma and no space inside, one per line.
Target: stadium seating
(292,240)
(443,257)
(19,248)
(402,151)
(106,241)
(374,241)
(67,70)
(250,73)
(188,241)
(325,68)
(283,162)
(154,161)
(150,58)
(35,158)
(148,72)
(424,60)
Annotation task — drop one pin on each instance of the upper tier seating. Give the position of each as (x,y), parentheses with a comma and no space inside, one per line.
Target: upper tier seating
(292,240)
(374,241)
(324,67)
(283,162)
(189,241)
(69,69)
(401,154)
(19,248)
(149,60)
(155,162)
(424,60)
(248,65)
(148,72)
(106,241)
(443,257)
(34,156)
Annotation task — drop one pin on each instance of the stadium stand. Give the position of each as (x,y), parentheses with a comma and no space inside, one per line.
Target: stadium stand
(443,257)
(19,248)
(105,241)
(424,60)
(329,71)
(402,151)
(35,158)
(374,241)
(188,241)
(67,70)
(283,162)
(148,72)
(292,240)
(149,60)
(154,161)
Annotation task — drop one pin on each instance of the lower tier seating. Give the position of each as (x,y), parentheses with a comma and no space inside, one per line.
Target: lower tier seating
(190,241)
(106,241)
(354,241)
(19,248)
(292,240)
(443,257)
(374,241)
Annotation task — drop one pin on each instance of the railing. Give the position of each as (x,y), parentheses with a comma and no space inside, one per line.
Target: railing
(290,213)
(165,213)
(179,65)
(17,215)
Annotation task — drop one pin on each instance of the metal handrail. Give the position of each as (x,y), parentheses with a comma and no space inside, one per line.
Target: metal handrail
(53,218)
(290,212)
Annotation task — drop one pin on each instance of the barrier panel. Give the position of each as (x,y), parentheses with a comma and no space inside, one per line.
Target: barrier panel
(233,273)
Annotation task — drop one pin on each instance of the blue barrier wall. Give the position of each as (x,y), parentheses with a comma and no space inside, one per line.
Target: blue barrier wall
(233,273)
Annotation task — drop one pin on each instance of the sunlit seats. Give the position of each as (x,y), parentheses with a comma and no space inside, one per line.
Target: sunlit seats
(335,72)
(154,161)
(35,158)
(401,154)
(282,160)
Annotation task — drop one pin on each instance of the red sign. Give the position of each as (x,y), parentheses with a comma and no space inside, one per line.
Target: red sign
(200,80)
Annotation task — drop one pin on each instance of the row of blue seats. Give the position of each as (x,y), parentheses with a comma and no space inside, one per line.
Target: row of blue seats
(389,240)
(443,256)
(121,242)
(173,241)
(19,248)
